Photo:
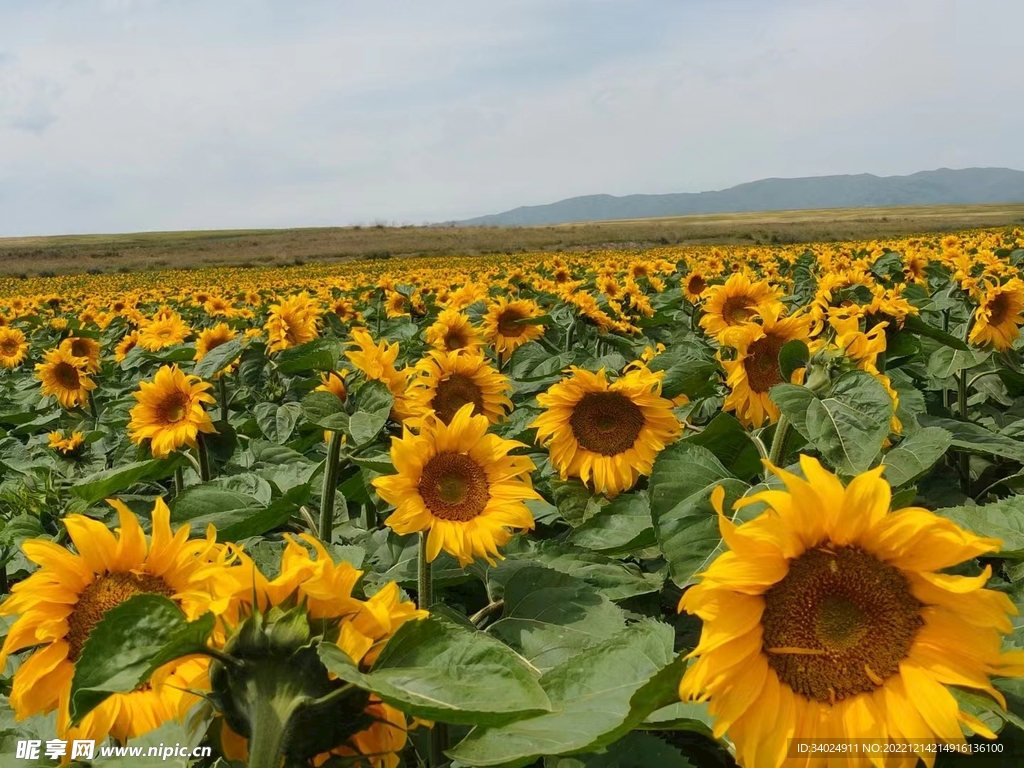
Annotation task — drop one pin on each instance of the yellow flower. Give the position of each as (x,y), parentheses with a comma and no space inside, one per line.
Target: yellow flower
(503,326)
(85,348)
(735,303)
(606,434)
(129,342)
(292,322)
(694,285)
(998,318)
(377,362)
(333,383)
(63,376)
(828,618)
(13,347)
(66,445)
(459,483)
(446,381)
(170,411)
(165,330)
(451,331)
(61,602)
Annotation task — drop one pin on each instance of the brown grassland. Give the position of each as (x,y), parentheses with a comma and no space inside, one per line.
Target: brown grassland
(69,254)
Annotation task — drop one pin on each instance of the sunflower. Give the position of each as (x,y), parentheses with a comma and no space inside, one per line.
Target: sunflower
(85,348)
(126,345)
(998,318)
(827,618)
(606,434)
(170,411)
(446,381)
(13,347)
(459,483)
(64,376)
(694,285)
(451,331)
(504,326)
(165,330)
(334,382)
(66,445)
(735,303)
(61,602)
(211,338)
(377,362)
(755,370)
(292,322)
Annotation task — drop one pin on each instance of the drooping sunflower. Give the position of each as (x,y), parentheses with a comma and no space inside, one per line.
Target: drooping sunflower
(451,331)
(755,370)
(61,602)
(446,381)
(735,303)
(125,345)
(170,411)
(66,445)
(606,434)
(291,322)
(828,619)
(504,328)
(13,347)
(377,362)
(85,348)
(460,484)
(999,315)
(165,330)
(64,376)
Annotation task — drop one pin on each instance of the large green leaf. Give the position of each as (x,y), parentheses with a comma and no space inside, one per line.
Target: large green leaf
(915,455)
(109,482)
(1003,519)
(975,438)
(235,515)
(128,644)
(218,358)
(325,410)
(636,750)
(794,402)
(374,401)
(725,437)
(439,669)
(685,372)
(550,616)
(685,523)
(317,355)
(850,425)
(920,327)
(598,697)
(945,361)
(277,422)
(621,526)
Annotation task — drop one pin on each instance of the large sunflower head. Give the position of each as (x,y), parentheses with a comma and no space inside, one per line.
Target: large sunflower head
(606,434)
(65,377)
(735,303)
(13,347)
(85,348)
(446,381)
(170,411)
(459,483)
(453,331)
(827,618)
(291,322)
(999,315)
(505,328)
(60,603)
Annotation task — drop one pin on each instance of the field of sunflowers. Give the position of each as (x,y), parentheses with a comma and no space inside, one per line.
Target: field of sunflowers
(679,507)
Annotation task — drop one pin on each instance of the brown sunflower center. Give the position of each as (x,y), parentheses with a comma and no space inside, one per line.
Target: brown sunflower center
(606,422)
(454,487)
(509,325)
(762,363)
(696,285)
(453,393)
(66,375)
(738,309)
(455,338)
(174,407)
(9,347)
(106,592)
(80,348)
(1000,308)
(839,624)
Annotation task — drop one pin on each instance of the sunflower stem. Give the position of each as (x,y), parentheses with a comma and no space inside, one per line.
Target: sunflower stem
(93,411)
(486,611)
(203,453)
(179,481)
(222,390)
(331,469)
(424,577)
(778,449)
(961,406)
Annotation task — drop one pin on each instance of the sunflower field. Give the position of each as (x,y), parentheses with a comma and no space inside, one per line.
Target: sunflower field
(677,507)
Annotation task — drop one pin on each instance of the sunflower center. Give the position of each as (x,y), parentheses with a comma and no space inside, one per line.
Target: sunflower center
(999,309)
(606,422)
(106,592)
(453,393)
(509,325)
(455,339)
(174,407)
(738,309)
(9,347)
(454,487)
(839,624)
(79,348)
(762,363)
(66,375)
(696,286)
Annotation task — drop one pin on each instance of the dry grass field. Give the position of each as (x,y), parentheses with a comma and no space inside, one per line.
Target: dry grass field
(28,256)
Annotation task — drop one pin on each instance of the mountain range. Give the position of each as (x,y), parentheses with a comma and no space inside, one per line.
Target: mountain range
(940,187)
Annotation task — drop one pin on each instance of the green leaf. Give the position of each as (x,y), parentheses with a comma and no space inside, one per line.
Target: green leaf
(218,358)
(681,716)
(576,503)
(636,750)
(917,325)
(623,525)
(550,617)
(794,401)
(974,438)
(945,362)
(101,485)
(725,437)
(915,455)
(851,424)
(325,411)
(1003,519)
(277,422)
(685,373)
(316,355)
(235,515)
(685,523)
(793,355)
(598,697)
(128,644)
(437,669)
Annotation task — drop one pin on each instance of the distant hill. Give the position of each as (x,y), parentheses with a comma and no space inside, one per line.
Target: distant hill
(942,187)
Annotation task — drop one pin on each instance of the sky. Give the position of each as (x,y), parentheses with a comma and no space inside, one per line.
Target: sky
(141,115)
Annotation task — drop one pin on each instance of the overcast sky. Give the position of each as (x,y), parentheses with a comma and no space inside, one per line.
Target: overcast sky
(128,115)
